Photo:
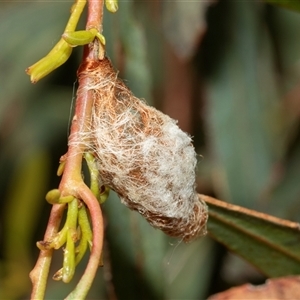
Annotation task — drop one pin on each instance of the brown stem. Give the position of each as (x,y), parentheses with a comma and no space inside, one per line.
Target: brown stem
(40,272)
(82,118)
(94,20)
(80,123)
(95,15)
(71,182)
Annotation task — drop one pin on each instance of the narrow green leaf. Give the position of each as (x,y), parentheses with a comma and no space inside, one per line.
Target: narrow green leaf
(272,245)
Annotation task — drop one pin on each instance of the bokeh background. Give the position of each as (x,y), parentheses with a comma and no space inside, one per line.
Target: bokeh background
(228,71)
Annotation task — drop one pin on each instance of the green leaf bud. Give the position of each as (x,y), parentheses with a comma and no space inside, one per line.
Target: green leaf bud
(55,58)
(111,5)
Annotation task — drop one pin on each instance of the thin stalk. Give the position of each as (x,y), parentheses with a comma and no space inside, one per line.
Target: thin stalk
(40,272)
(87,278)
(76,12)
(72,182)
(95,15)
(84,105)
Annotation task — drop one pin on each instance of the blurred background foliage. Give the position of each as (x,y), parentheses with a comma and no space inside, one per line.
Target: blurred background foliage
(228,71)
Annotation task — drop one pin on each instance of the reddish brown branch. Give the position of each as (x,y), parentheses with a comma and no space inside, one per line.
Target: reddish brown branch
(95,15)
(71,182)
(80,124)
(40,272)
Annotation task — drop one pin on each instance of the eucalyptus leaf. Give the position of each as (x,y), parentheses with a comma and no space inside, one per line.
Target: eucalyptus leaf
(272,245)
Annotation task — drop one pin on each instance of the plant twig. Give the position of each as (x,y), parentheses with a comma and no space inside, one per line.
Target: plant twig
(40,272)
(72,182)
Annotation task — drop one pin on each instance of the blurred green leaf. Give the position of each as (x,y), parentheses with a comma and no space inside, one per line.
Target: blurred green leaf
(135,248)
(281,195)
(137,72)
(242,107)
(286,188)
(188,269)
(272,245)
(19,51)
(290,4)
(287,42)
(127,34)
(25,194)
(184,25)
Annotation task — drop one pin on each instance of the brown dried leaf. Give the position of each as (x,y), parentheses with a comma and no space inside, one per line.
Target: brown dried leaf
(284,288)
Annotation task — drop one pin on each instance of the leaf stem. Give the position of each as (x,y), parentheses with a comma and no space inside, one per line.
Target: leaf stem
(76,12)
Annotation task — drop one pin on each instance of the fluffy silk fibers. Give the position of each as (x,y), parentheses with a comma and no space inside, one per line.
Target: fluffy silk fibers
(143,156)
